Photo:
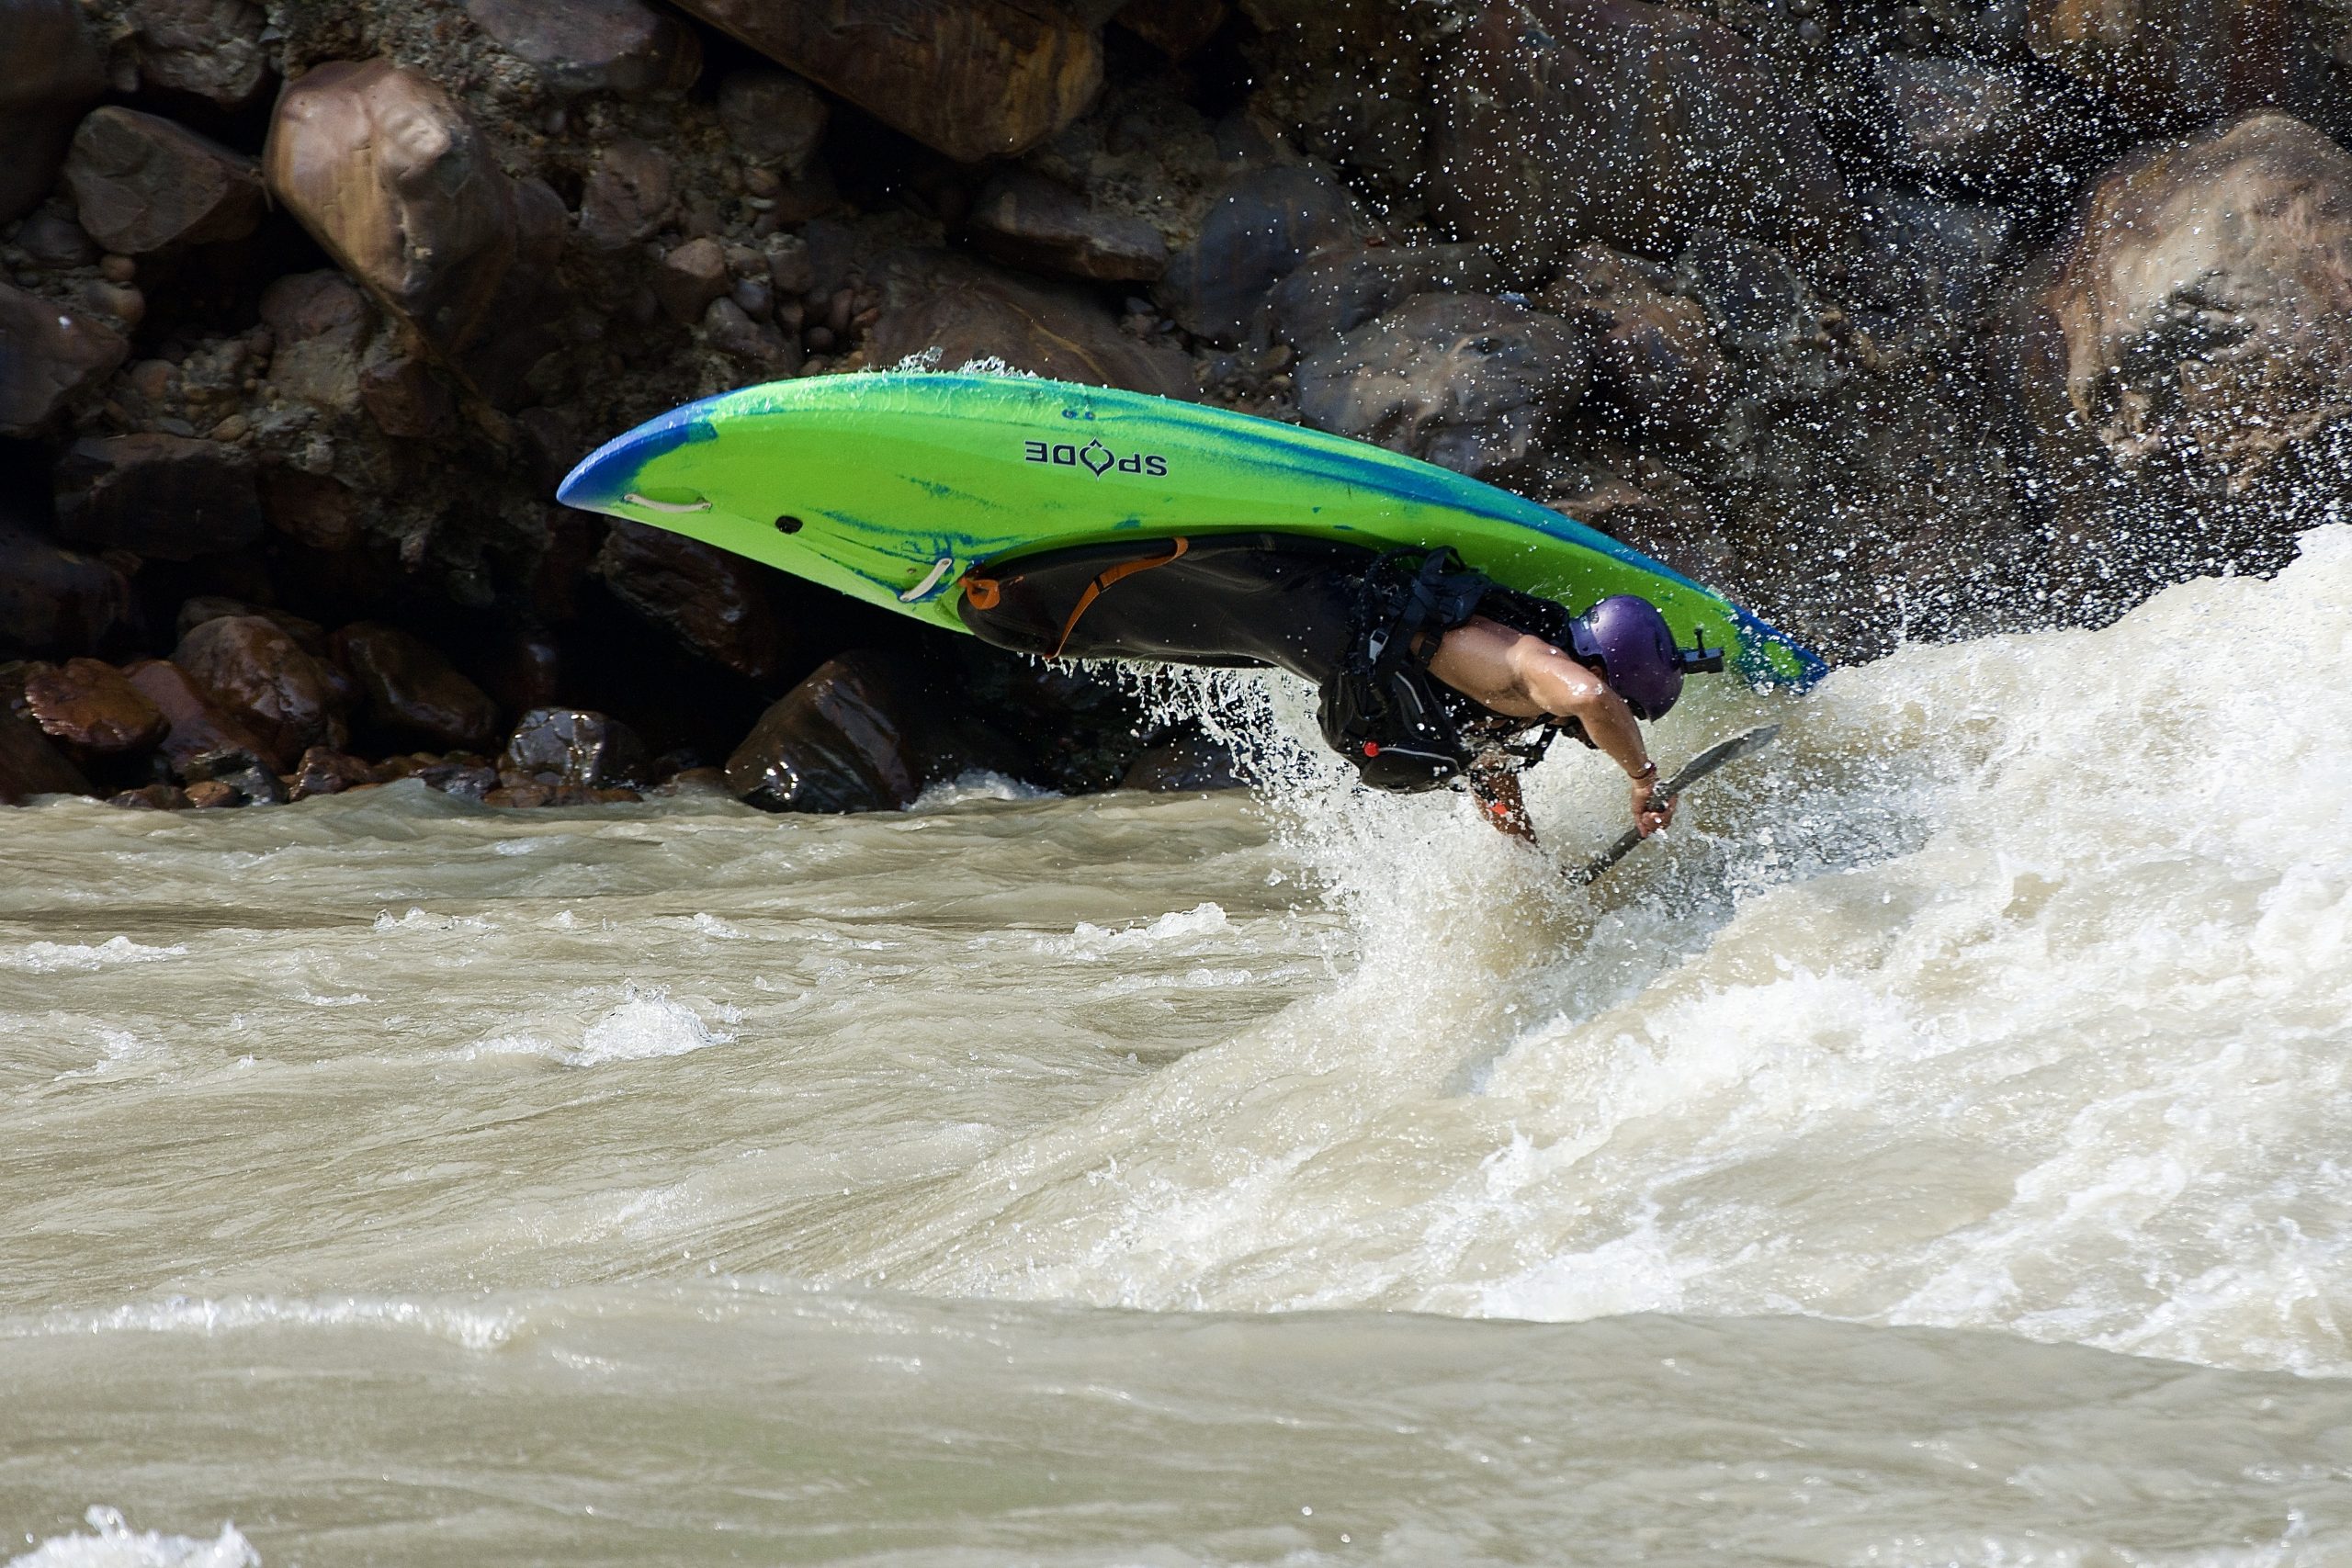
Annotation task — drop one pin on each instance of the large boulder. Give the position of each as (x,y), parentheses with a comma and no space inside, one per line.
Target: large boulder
(253,671)
(1470,381)
(30,765)
(88,706)
(210,49)
(713,601)
(2170,60)
(2193,333)
(594,46)
(847,738)
(559,748)
(773,118)
(143,184)
(1030,221)
(54,354)
(412,692)
(50,72)
(1338,292)
(54,601)
(384,169)
(937,304)
(173,497)
(1568,122)
(977,79)
(1257,231)
(193,726)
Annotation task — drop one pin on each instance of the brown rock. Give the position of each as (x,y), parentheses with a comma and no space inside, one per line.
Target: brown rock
(406,400)
(758,347)
(1176,27)
(321,323)
(689,278)
(167,496)
(713,601)
(1675,124)
(1653,350)
(193,725)
(236,768)
(840,741)
(214,795)
(30,765)
(1971,118)
(411,690)
(312,509)
(208,48)
(773,118)
(261,677)
(555,746)
(92,710)
(629,195)
(1255,233)
(2204,303)
(1030,221)
(325,772)
(1467,380)
(1338,292)
(965,311)
(52,240)
(153,797)
(2168,59)
(50,72)
(977,79)
(594,46)
(54,357)
(143,183)
(54,601)
(387,173)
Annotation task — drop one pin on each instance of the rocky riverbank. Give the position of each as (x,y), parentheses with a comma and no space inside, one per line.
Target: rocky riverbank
(1889,319)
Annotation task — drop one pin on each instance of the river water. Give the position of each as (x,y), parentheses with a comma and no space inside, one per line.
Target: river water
(1935,1152)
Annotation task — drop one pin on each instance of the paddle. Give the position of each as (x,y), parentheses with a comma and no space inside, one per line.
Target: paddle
(1690,772)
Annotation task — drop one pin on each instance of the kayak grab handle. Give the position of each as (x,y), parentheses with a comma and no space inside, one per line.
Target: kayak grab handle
(939,570)
(652,506)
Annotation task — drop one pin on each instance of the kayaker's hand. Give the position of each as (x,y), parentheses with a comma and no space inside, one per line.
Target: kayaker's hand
(1652,810)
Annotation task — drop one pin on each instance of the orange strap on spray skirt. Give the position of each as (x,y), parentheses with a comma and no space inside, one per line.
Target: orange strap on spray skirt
(1094,589)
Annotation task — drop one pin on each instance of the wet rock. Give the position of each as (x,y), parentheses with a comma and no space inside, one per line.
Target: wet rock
(2190,342)
(630,195)
(963,310)
(713,601)
(210,49)
(1653,350)
(388,173)
(406,399)
(411,690)
(1256,232)
(89,707)
(165,496)
(689,278)
(556,747)
(977,79)
(153,797)
(57,602)
(593,45)
(143,183)
(840,741)
(30,765)
(758,347)
(55,356)
(1675,124)
(1969,119)
(258,675)
(246,774)
(193,725)
(312,509)
(2171,60)
(1470,381)
(690,783)
(52,240)
(1940,261)
(320,323)
(50,73)
(773,118)
(1190,762)
(1030,221)
(1339,290)
(325,772)
(462,774)
(1176,27)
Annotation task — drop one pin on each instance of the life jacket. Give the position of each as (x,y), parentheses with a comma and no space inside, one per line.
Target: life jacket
(1401,728)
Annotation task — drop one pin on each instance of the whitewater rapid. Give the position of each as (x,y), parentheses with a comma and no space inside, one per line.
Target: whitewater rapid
(1933,1151)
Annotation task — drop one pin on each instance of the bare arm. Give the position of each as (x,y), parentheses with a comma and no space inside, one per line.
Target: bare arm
(1526,677)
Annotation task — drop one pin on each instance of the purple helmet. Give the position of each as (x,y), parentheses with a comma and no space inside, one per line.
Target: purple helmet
(1631,642)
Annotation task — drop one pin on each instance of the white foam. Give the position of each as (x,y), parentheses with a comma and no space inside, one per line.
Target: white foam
(476,1328)
(58,957)
(1205,919)
(977,783)
(112,1543)
(641,1028)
